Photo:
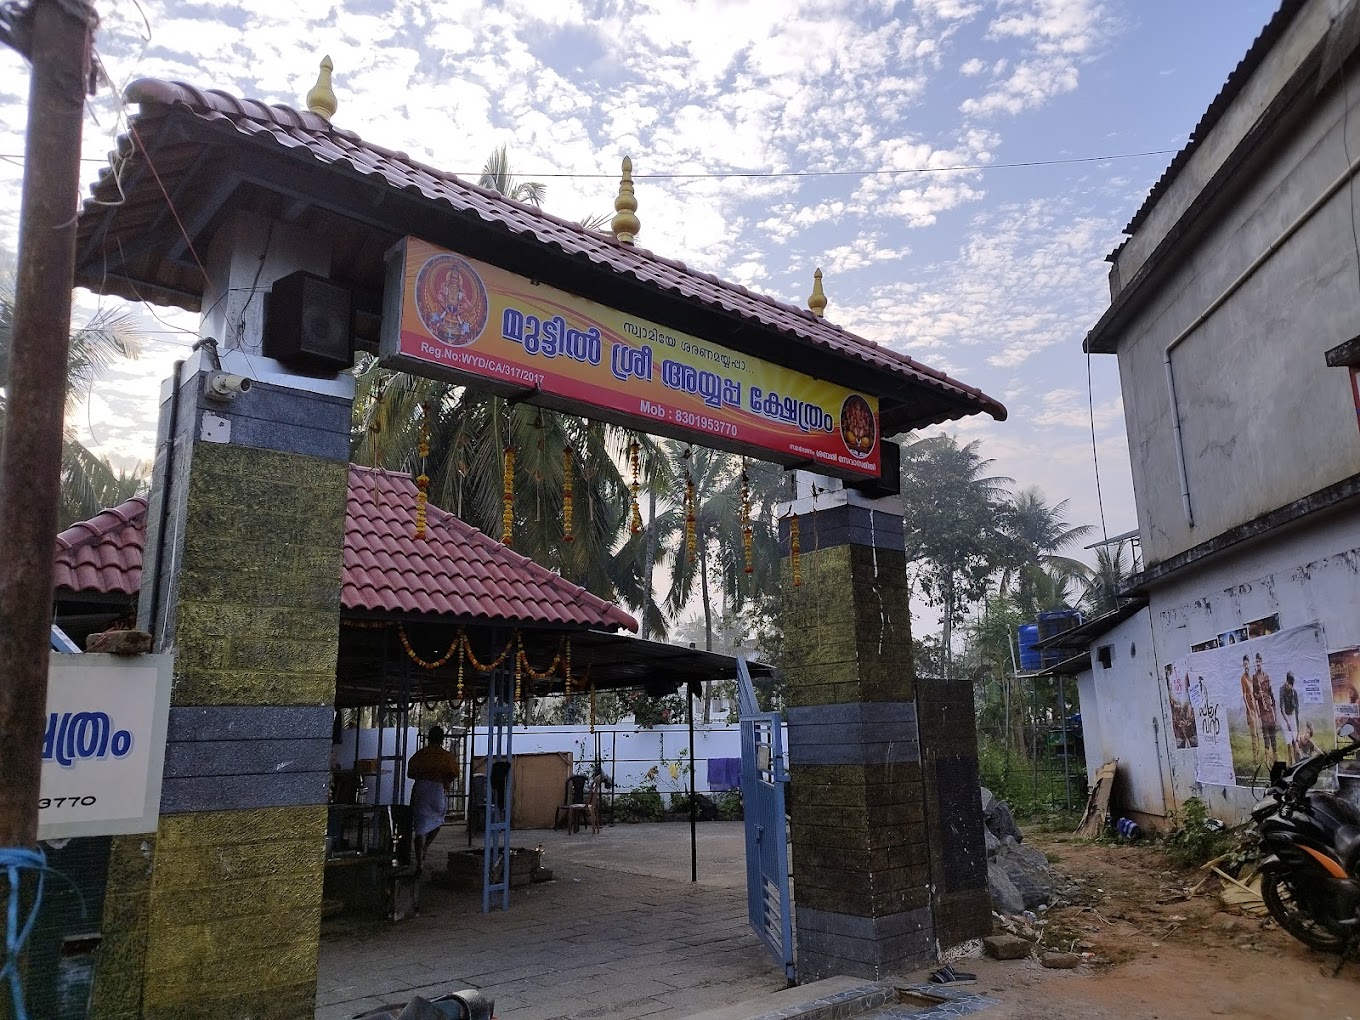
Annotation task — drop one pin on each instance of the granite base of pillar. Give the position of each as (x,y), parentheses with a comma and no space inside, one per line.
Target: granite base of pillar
(831,943)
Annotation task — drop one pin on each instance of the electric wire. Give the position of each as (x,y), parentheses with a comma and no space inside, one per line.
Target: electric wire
(773,174)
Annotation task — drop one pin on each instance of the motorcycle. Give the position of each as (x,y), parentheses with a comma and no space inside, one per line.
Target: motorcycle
(1310,854)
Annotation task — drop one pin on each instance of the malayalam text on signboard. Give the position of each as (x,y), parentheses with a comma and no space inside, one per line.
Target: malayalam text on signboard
(469,321)
(103,745)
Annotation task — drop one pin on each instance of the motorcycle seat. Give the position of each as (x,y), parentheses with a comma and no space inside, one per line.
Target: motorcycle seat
(1347,843)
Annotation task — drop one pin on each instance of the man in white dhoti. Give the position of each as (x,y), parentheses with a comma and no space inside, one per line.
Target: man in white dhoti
(433,769)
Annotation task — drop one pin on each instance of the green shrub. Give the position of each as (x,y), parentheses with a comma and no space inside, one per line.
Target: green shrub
(1195,838)
(641,805)
(1011,777)
(729,806)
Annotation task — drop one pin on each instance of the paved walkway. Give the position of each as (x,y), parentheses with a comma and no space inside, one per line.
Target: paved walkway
(621,932)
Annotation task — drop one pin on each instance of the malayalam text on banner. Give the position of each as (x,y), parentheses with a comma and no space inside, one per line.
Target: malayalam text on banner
(473,322)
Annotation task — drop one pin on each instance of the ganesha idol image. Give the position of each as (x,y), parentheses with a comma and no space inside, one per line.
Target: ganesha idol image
(859,431)
(451,300)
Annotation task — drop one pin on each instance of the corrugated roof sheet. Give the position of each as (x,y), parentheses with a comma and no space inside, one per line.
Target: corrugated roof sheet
(1271,34)
(305,132)
(456,571)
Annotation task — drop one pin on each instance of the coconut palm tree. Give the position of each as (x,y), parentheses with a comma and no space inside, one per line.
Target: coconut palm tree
(1038,533)
(1114,569)
(89,483)
(496,175)
(955,542)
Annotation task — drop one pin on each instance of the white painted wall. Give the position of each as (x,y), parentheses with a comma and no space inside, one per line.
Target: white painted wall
(627,752)
(1123,715)
(1308,575)
(1265,420)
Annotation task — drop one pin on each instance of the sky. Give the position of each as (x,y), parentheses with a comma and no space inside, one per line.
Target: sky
(993,274)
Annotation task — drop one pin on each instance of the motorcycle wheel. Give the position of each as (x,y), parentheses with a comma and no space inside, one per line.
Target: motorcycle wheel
(1292,916)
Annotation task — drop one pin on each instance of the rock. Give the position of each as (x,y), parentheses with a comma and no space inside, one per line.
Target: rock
(1006,947)
(119,642)
(1006,898)
(988,799)
(1060,961)
(1029,873)
(993,844)
(1002,822)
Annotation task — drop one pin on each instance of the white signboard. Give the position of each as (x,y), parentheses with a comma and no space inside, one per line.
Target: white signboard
(103,745)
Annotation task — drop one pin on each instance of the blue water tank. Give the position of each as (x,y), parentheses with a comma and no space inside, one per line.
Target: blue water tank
(1030,658)
(1056,621)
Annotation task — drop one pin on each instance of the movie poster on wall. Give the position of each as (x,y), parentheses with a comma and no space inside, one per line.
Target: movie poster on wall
(1344,667)
(1257,700)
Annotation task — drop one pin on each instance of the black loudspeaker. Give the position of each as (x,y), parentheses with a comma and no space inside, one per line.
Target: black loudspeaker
(307,323)
(889,480)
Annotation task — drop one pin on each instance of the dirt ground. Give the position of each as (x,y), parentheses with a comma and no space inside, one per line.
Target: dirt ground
(1158,954)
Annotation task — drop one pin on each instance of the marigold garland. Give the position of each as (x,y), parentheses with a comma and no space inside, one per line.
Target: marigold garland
(462,656)
(411,652)
(592,703)
(519,642)
(423,479)
(508,513)
(486,667)
(794,550)
(551,671)
(567,478)
(635,458)
(746,533)
(691,542)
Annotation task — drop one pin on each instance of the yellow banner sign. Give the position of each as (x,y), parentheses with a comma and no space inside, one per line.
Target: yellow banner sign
(472,322)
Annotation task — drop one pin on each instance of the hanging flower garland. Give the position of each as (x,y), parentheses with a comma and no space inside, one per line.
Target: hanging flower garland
(592,700)
(519,660)
(462,657)
(422,663)
(508,492)
(375,421)
(794,550)
(747,537)
(423,479)
(691,542)
(567,536)
(551,671)
(487,667)
(635,459)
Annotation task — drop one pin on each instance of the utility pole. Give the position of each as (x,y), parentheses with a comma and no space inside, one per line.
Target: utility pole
(57,38)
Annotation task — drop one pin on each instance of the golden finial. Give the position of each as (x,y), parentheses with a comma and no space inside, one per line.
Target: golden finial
(625,223)
(321,100)
(817,300)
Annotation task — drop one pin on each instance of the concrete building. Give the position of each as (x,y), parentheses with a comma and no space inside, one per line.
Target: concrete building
(1233,304)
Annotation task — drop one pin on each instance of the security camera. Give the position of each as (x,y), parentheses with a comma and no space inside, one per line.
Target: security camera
(225,386)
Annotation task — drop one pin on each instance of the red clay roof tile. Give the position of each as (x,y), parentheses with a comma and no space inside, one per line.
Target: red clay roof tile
(456,571)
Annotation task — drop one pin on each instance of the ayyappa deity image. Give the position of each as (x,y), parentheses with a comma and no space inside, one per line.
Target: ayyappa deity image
(451,300)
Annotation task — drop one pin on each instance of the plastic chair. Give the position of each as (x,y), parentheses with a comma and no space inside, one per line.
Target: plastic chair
(573,800)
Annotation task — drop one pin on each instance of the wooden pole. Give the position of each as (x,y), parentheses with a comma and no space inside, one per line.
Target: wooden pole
(30,464)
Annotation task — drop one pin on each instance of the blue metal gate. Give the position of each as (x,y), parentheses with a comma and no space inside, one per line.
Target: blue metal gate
(763,775)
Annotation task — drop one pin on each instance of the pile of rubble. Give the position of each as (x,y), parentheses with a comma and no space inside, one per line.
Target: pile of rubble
(1018,876)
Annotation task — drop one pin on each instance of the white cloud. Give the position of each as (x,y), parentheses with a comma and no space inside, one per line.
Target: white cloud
(1057,37)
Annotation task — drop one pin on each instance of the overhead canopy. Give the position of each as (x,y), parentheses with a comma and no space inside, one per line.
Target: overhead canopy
(212,153)
(374,669)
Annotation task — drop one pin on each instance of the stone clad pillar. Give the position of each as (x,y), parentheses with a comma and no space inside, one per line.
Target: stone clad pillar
(861,860)
(218,913)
